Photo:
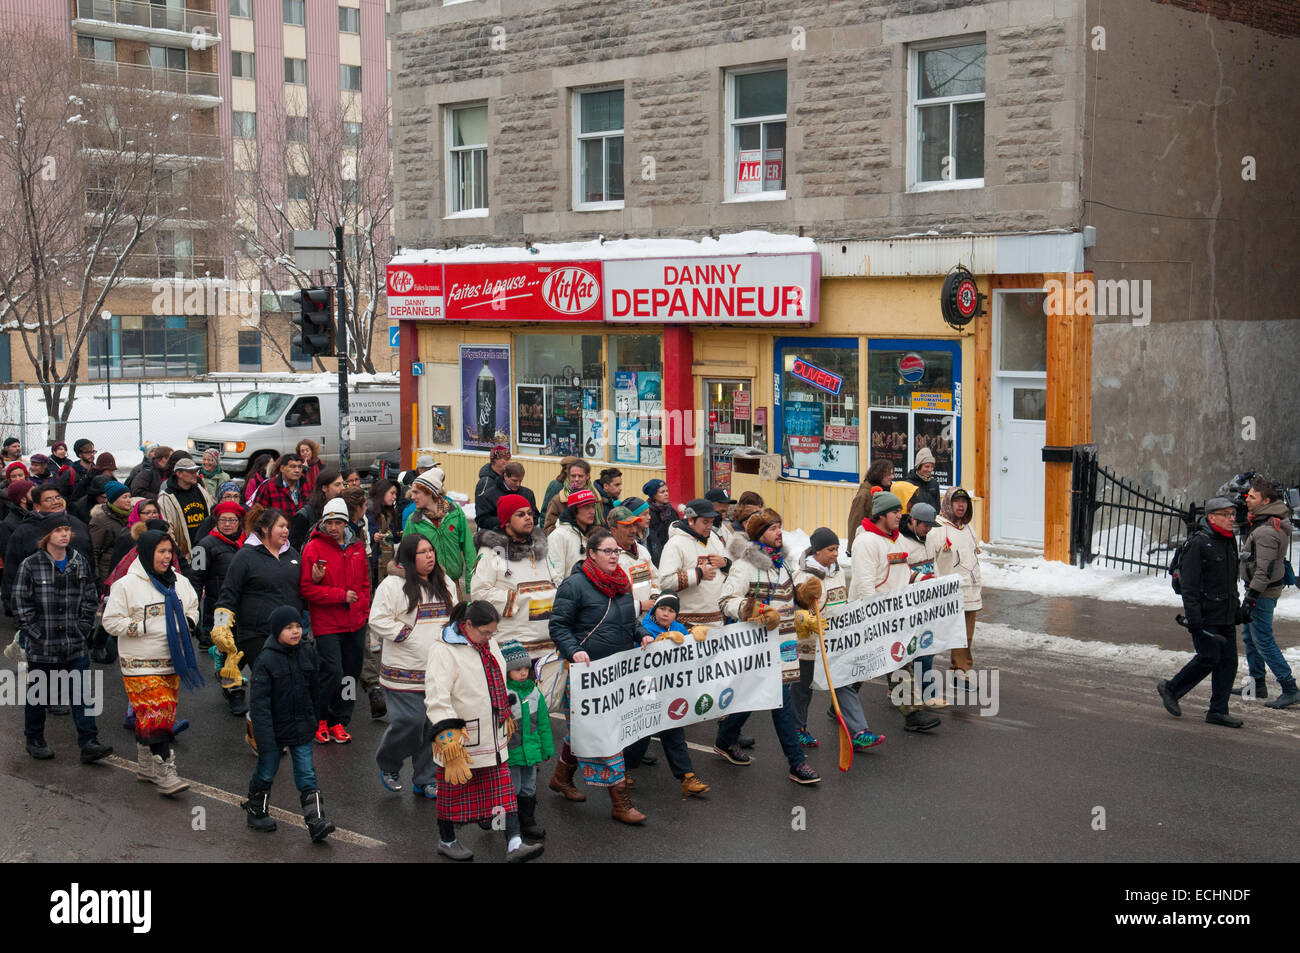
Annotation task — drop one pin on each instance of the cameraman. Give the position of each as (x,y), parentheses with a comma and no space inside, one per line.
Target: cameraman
(1209,582)
(1268,534)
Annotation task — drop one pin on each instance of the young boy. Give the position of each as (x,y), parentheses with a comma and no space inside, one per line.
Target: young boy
(661,622)
(286,685)
(531,743)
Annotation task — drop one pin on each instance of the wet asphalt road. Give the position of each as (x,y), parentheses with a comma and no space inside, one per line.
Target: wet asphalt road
(1023,785)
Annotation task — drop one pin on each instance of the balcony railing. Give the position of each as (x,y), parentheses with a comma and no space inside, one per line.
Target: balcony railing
(162,267)
(195,144)
(184,82)
(152,15)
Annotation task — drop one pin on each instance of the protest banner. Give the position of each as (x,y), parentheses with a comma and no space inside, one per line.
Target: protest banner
(616,700)
(873,636)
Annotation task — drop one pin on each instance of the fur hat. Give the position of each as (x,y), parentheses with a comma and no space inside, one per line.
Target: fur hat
(758,524)
(884,502)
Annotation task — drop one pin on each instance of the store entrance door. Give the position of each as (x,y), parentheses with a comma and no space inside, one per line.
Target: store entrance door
(728,413)
(1020,430)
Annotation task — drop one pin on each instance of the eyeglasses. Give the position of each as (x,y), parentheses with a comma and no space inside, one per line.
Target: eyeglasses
(607,551)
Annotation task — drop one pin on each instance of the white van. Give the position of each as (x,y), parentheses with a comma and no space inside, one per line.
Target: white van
(275,419)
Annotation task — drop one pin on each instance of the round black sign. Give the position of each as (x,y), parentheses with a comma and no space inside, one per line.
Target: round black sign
(961,299)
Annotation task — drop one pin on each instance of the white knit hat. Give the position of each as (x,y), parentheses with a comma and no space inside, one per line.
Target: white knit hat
(335,509)
(924,456)
(431,480)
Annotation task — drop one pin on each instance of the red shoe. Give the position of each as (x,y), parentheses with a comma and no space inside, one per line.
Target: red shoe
(322,734)
(339,734)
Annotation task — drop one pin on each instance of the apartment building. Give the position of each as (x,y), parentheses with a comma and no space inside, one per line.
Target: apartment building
(244,74)
(1046,146)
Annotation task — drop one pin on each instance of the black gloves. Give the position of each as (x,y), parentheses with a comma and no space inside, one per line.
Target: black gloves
(1247,608)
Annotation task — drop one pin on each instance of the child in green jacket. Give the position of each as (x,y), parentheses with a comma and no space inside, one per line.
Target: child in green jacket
(530,743)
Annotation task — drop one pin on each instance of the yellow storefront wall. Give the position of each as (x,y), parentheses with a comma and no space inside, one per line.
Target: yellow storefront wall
(864,308)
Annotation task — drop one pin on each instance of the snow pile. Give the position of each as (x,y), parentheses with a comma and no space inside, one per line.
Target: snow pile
(1110,585)
(741,243)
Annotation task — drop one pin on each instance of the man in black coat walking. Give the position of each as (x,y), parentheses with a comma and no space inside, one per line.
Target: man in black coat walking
(1208,576)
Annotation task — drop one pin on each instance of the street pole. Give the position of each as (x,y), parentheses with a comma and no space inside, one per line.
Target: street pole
(340,296)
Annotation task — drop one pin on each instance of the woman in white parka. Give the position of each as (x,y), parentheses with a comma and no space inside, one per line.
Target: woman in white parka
(958,554)
(407,615)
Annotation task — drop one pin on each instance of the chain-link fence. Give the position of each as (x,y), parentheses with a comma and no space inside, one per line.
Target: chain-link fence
(110,415)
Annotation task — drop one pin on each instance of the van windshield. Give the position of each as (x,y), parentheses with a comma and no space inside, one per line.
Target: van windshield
(259,407)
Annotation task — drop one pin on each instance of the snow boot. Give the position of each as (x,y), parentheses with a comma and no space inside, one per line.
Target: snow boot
(145,770)
(169,783)
(1288,697)
(528,817)
(562,781)
(378,705)
(237,701)
(313,814)
(1261,689)
(259,814)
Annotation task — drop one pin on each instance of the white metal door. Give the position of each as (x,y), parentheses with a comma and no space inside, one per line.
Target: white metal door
(1019,433)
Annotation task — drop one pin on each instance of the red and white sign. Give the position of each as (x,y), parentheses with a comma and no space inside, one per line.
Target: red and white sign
(805,443)
(415,292)
(749,289)
(773,163)
(749,172)
(842,434)
(524,291)
(740,405)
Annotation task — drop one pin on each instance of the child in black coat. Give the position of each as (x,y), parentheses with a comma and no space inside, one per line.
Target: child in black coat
(282,706)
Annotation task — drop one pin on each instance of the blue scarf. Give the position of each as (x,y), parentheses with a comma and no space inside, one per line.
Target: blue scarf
(179,643)
(772,552)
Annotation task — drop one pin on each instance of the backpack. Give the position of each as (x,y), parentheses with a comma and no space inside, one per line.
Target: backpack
(1175,564)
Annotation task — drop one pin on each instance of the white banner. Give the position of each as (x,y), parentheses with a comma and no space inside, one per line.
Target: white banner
(752,289)
(870,637)
(616,700)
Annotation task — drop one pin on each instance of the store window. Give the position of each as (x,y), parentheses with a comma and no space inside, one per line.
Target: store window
(559,390)
(817,408)
(756,103)
(914,397)
(638,398)
(1022,337)
(135,346)
(947,92)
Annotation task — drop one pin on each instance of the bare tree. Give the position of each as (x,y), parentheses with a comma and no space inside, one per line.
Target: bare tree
(333,169)
(98,163)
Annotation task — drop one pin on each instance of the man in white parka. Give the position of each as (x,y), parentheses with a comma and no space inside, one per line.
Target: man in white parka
(880,564)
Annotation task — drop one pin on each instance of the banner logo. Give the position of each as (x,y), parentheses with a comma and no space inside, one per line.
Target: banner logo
(570,290)
(678,709)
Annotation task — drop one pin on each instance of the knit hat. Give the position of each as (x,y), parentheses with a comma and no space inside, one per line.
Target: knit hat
(230,506)
(57,446)
(335,509)
(651,487)
(16,465)
(670,600)
(230,486)
(156,525)
(758,524)
(17,491)
(515,655)
(884,502)
(1219,503)
(509,505)
(581,498)
(697,508)
(99,484)
(81,445)
(282,618)
(54,521)
(636,506)
(923,456)
(821,538)
(924,513)
(431,480)
(619,514)
(39,458)
(105,461)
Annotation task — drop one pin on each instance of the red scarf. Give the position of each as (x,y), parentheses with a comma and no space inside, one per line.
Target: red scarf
(871,527)
(1222,532)
(611,584)
(496,682)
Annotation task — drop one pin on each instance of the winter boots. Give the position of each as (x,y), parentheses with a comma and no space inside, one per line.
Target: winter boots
(259,814)
(144,764)
(691,785)
(378,705)
(1261,689)
(528,825)
(621,805)
(562,781)
(1288,697)
(312,813)
(165,777)
(237,700)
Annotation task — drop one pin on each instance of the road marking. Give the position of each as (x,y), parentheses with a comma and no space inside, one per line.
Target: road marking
(281,815)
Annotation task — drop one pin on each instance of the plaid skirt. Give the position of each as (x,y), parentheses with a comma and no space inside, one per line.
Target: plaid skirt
(153,698)
(488,788)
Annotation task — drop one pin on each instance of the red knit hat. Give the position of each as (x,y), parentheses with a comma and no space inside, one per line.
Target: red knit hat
(581,498)
(510,504)
(230,506)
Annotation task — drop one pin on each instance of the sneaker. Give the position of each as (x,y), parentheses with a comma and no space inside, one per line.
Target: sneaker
(180,726)
(38,749)
(425,790)
(806,740)
(322,734)
(920,721)
(455,850)
(804,774)
(338,733)
(391,780)
(733,754)
(866,739)
(691,785)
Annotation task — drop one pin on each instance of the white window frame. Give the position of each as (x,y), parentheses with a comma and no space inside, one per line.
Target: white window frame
(575,109)
(449,113)
(729,131)
(914,183)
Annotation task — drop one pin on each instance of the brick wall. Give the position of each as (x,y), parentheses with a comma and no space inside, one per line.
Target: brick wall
(1279,17)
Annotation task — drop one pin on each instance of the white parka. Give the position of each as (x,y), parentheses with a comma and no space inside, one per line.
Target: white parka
(835,591)
(405,635)
(520,581)
(879,564)
(679,572)
(456,696)
(136,615)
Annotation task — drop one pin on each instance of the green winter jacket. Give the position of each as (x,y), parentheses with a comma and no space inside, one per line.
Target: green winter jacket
(532,743)
(451,539)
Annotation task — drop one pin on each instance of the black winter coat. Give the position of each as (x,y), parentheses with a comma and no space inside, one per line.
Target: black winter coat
(23,544)
(257,583)
(583,619)
(218,554)
(661,520)
(282,703)
(927,491)
(1208,574)
(485,509)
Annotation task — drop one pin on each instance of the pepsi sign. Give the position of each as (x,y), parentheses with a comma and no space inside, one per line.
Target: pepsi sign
(911,367)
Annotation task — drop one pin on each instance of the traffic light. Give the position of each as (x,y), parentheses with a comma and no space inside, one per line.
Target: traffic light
(313,314)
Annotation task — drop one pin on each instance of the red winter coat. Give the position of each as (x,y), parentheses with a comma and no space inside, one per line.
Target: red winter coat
(345,568)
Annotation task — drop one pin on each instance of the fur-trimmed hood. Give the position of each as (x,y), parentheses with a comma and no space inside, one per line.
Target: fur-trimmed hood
(515,550)
(741,547)
(807,564)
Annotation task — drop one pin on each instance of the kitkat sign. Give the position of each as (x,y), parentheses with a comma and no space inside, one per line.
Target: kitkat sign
(524,291)
(415,292)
